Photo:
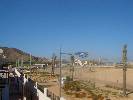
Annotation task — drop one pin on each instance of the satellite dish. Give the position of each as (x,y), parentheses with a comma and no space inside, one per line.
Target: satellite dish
(1,51)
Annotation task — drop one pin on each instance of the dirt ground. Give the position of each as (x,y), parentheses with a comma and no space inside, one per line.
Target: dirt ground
(113,76)
(100,75)
(103,76)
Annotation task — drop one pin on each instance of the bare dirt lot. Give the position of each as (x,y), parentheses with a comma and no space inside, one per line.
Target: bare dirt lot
(111,76)
(101,76)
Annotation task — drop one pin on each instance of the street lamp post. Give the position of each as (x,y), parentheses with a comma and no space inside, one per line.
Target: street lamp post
(80,54)
(72,58)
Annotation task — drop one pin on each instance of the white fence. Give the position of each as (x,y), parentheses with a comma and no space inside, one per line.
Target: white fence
(32,86)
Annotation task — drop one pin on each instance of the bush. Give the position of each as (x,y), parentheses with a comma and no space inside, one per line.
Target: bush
(72,85)
(68,79)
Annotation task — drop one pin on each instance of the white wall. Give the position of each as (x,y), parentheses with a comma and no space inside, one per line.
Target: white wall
(41,95)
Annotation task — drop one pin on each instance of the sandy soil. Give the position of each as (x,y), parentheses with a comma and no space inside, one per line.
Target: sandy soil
(102,76)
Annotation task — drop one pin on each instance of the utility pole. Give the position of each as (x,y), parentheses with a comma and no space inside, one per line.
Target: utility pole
(60,71)
(22,62)
(30,65)
(124,61)
(72,69)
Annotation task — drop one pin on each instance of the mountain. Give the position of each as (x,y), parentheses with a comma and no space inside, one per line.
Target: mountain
(12,54)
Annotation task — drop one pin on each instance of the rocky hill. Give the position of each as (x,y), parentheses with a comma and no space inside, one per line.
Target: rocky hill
(12,54)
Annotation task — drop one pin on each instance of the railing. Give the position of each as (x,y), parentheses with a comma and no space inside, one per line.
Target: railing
(52,96)
(40,87)
(35,91)
(31,81)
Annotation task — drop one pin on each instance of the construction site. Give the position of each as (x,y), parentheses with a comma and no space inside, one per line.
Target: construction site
(86,80)
(66,50)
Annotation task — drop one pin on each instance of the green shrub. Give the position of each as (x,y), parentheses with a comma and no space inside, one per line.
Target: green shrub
(68,79)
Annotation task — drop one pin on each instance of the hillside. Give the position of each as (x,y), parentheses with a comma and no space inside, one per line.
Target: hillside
(12,54)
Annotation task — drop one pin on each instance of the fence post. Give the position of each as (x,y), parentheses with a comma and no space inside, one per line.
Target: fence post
(45,92)
(36,85)
(24,79)
(27,78)
(61,98)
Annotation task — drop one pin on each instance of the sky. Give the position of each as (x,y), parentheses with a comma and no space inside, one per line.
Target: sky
(41,27)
